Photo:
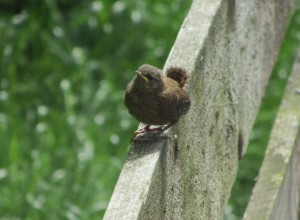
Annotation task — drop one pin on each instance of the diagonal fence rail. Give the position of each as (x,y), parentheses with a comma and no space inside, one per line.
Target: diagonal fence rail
(276,193)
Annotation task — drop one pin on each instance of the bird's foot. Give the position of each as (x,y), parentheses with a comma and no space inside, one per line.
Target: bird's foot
(139,131)
(149,137)
(146,129)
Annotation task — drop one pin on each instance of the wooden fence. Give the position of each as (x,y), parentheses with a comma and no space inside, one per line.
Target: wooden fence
(229,48)
(275,195)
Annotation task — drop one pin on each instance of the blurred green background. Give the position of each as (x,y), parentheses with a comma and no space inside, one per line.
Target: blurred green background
(64,131)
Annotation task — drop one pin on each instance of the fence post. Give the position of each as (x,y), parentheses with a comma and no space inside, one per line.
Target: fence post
(228,48)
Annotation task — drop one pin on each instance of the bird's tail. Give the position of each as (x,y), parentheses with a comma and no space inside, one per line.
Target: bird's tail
(177,74)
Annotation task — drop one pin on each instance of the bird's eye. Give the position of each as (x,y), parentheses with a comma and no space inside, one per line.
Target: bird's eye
(149,76)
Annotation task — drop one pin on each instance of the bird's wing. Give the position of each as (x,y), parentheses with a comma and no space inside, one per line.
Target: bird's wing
(174,103)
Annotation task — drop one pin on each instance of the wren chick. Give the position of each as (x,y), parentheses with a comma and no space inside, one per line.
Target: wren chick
(155,99)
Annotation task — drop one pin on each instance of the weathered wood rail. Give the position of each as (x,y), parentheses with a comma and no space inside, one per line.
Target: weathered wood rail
(228,48)
(276,193)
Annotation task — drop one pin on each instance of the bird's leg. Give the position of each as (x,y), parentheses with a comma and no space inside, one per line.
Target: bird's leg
(140,131)
(162,129)
(147,128)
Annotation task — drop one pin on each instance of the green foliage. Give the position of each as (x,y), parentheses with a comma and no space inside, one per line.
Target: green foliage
(64,131)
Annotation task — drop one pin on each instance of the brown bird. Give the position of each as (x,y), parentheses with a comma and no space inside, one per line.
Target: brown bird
(155,99)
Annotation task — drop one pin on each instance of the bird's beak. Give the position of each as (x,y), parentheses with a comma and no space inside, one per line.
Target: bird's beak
(139,74)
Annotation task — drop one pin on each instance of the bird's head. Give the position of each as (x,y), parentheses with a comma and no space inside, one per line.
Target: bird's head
(149,78)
